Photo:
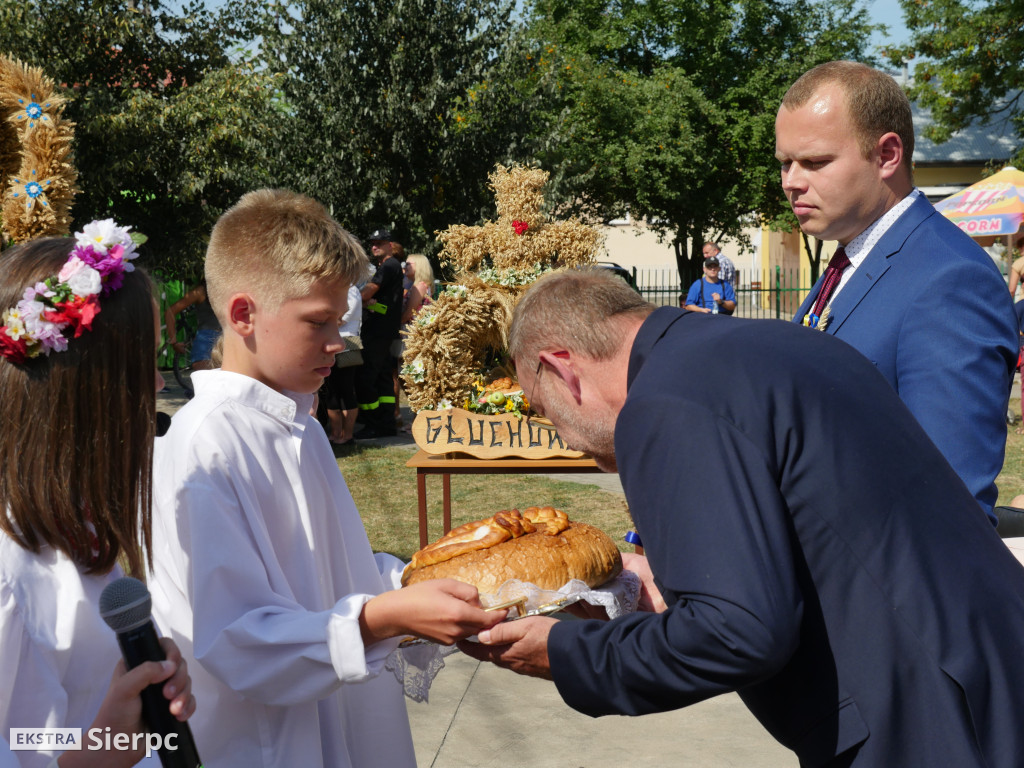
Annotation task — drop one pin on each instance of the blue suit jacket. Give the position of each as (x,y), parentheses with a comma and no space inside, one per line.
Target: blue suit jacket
(931,311)
(824,561)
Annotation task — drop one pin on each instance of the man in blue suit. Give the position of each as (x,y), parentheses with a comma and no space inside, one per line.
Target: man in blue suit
(914,294)
(830,572)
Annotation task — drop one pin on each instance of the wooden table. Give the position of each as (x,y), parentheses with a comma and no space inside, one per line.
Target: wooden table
(447,465)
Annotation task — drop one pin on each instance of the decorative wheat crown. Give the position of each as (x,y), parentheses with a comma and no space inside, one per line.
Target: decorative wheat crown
(449,341)
(37,178)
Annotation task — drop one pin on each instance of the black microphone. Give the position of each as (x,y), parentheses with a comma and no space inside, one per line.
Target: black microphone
(126,605)
(163,423)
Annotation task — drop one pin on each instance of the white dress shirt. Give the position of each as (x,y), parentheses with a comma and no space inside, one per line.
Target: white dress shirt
(260,572)
(352,320)
(859,247)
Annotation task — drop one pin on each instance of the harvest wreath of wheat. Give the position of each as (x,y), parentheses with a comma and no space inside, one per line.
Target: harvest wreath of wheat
(37,176)
(451,340)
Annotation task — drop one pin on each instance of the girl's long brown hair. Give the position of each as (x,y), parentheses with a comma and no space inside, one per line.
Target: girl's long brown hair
(77,427)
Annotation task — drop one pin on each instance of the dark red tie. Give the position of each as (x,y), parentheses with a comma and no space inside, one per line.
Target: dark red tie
(833,273)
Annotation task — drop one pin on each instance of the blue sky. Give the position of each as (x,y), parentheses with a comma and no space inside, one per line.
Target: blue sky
(888,12)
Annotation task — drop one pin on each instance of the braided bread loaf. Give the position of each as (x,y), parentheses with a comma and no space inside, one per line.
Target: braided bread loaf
(540,546)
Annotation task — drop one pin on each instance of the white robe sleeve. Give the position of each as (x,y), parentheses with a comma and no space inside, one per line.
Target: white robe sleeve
(249,630)
(390,568)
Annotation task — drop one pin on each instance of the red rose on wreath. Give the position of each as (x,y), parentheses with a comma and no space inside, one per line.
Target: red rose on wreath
(520,227)
(77,313)
(14,350)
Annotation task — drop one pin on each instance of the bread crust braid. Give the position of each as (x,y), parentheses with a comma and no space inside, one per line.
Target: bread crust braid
(539,545)
(553,521)
(480,534)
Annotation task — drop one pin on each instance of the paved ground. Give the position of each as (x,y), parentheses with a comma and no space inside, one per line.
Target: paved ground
(480,716)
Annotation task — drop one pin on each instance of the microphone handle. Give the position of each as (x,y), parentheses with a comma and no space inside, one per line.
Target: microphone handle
(139,645)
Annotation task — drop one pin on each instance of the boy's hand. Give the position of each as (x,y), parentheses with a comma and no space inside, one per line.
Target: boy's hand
(442,611)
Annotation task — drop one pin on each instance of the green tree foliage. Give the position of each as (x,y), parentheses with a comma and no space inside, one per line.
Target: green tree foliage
(398,109)
(169,130)
(667,107)
(971,65)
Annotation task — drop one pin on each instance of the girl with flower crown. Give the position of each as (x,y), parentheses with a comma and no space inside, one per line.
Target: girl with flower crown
(77,414)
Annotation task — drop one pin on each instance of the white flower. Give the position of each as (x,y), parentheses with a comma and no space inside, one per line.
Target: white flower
(101,234)
(444,404)
(85,282)
(15,328)
(414,370)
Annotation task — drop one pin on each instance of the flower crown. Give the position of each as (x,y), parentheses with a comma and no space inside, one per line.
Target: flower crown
(64,305)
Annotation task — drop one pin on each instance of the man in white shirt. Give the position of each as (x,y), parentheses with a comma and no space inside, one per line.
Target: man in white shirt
(728,269)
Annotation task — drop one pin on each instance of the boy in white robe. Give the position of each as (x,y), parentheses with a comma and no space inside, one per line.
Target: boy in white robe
(263,573)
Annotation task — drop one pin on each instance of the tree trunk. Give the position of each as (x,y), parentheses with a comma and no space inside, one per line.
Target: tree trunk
(679,246)
(689,264)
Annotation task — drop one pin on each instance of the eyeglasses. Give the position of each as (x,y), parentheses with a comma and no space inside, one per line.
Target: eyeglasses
(533,411)
(536,375)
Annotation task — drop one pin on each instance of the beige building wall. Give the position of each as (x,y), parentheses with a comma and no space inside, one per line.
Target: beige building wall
(632,244)
(936,178)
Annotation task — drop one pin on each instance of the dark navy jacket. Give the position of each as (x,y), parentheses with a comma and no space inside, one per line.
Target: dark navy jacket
(817,553)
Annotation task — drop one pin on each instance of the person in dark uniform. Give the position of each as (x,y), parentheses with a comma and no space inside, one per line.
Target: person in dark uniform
(382,317)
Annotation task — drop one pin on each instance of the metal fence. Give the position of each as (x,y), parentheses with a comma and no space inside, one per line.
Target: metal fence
(769,293)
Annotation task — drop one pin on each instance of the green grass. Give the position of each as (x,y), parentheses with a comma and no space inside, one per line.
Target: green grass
(1011,479)
(384,490)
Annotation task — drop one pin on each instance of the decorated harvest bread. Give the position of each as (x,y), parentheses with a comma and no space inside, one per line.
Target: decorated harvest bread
(539,545)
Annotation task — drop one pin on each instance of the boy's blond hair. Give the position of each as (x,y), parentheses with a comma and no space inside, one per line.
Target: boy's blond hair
(275,244)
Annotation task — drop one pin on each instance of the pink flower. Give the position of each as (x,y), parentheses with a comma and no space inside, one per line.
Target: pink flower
(71,267)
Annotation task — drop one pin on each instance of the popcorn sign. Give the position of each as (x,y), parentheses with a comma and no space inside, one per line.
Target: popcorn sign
(988,225)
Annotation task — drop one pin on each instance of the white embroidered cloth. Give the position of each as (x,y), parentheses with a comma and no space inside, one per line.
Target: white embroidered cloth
(415,666)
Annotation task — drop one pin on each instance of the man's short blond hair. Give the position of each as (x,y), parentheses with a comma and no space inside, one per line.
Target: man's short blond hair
(576,309)
(875,101)
(275,245)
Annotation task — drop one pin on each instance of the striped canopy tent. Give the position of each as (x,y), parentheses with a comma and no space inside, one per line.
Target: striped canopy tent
(992,206)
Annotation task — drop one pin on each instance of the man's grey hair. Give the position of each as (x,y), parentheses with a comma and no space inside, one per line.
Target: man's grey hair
(578,310)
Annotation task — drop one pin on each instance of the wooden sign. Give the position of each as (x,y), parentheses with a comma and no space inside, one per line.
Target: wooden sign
(455,430)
